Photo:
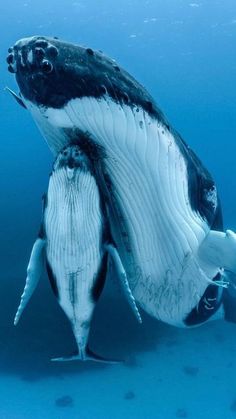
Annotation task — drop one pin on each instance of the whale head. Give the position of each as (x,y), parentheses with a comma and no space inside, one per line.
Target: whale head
(75,93)
(50,72)
(72,157)
(53,74)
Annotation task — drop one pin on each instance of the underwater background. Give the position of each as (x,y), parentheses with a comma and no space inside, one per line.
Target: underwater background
(184,53)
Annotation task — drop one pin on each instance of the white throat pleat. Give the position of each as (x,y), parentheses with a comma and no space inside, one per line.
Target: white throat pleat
(73,225)
(155,229)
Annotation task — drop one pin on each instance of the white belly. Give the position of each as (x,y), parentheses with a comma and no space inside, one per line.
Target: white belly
(73,227)
(156,231)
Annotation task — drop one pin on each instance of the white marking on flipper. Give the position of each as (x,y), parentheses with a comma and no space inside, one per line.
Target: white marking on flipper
(34,272)
(123,279)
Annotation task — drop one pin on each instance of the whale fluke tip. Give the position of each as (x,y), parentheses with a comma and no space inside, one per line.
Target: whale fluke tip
(89,356)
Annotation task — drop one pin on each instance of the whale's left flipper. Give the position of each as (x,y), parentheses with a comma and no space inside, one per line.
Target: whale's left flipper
(112,251)
(219,249)
(34,272)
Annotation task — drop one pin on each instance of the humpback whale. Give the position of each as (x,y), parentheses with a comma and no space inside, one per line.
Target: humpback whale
(74,241)
(164,209)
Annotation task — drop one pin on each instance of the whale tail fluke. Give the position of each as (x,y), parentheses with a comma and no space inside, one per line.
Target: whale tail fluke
(87,355)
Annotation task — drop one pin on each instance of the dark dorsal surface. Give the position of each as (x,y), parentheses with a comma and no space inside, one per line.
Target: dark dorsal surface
(51,72)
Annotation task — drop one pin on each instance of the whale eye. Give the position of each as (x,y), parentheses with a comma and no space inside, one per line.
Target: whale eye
(46,66)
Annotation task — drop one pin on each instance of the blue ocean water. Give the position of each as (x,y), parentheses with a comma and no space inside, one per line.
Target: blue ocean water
(183,51)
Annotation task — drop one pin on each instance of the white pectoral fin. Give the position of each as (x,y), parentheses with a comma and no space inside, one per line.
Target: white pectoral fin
(219,249)
(34,272)
(112,251)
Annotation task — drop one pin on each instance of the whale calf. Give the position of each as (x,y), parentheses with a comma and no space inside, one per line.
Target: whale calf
(164,208)
(74,241)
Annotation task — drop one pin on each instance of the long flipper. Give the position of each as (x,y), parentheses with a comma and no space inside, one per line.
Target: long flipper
(219,249)
(123,279)
(34,272)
